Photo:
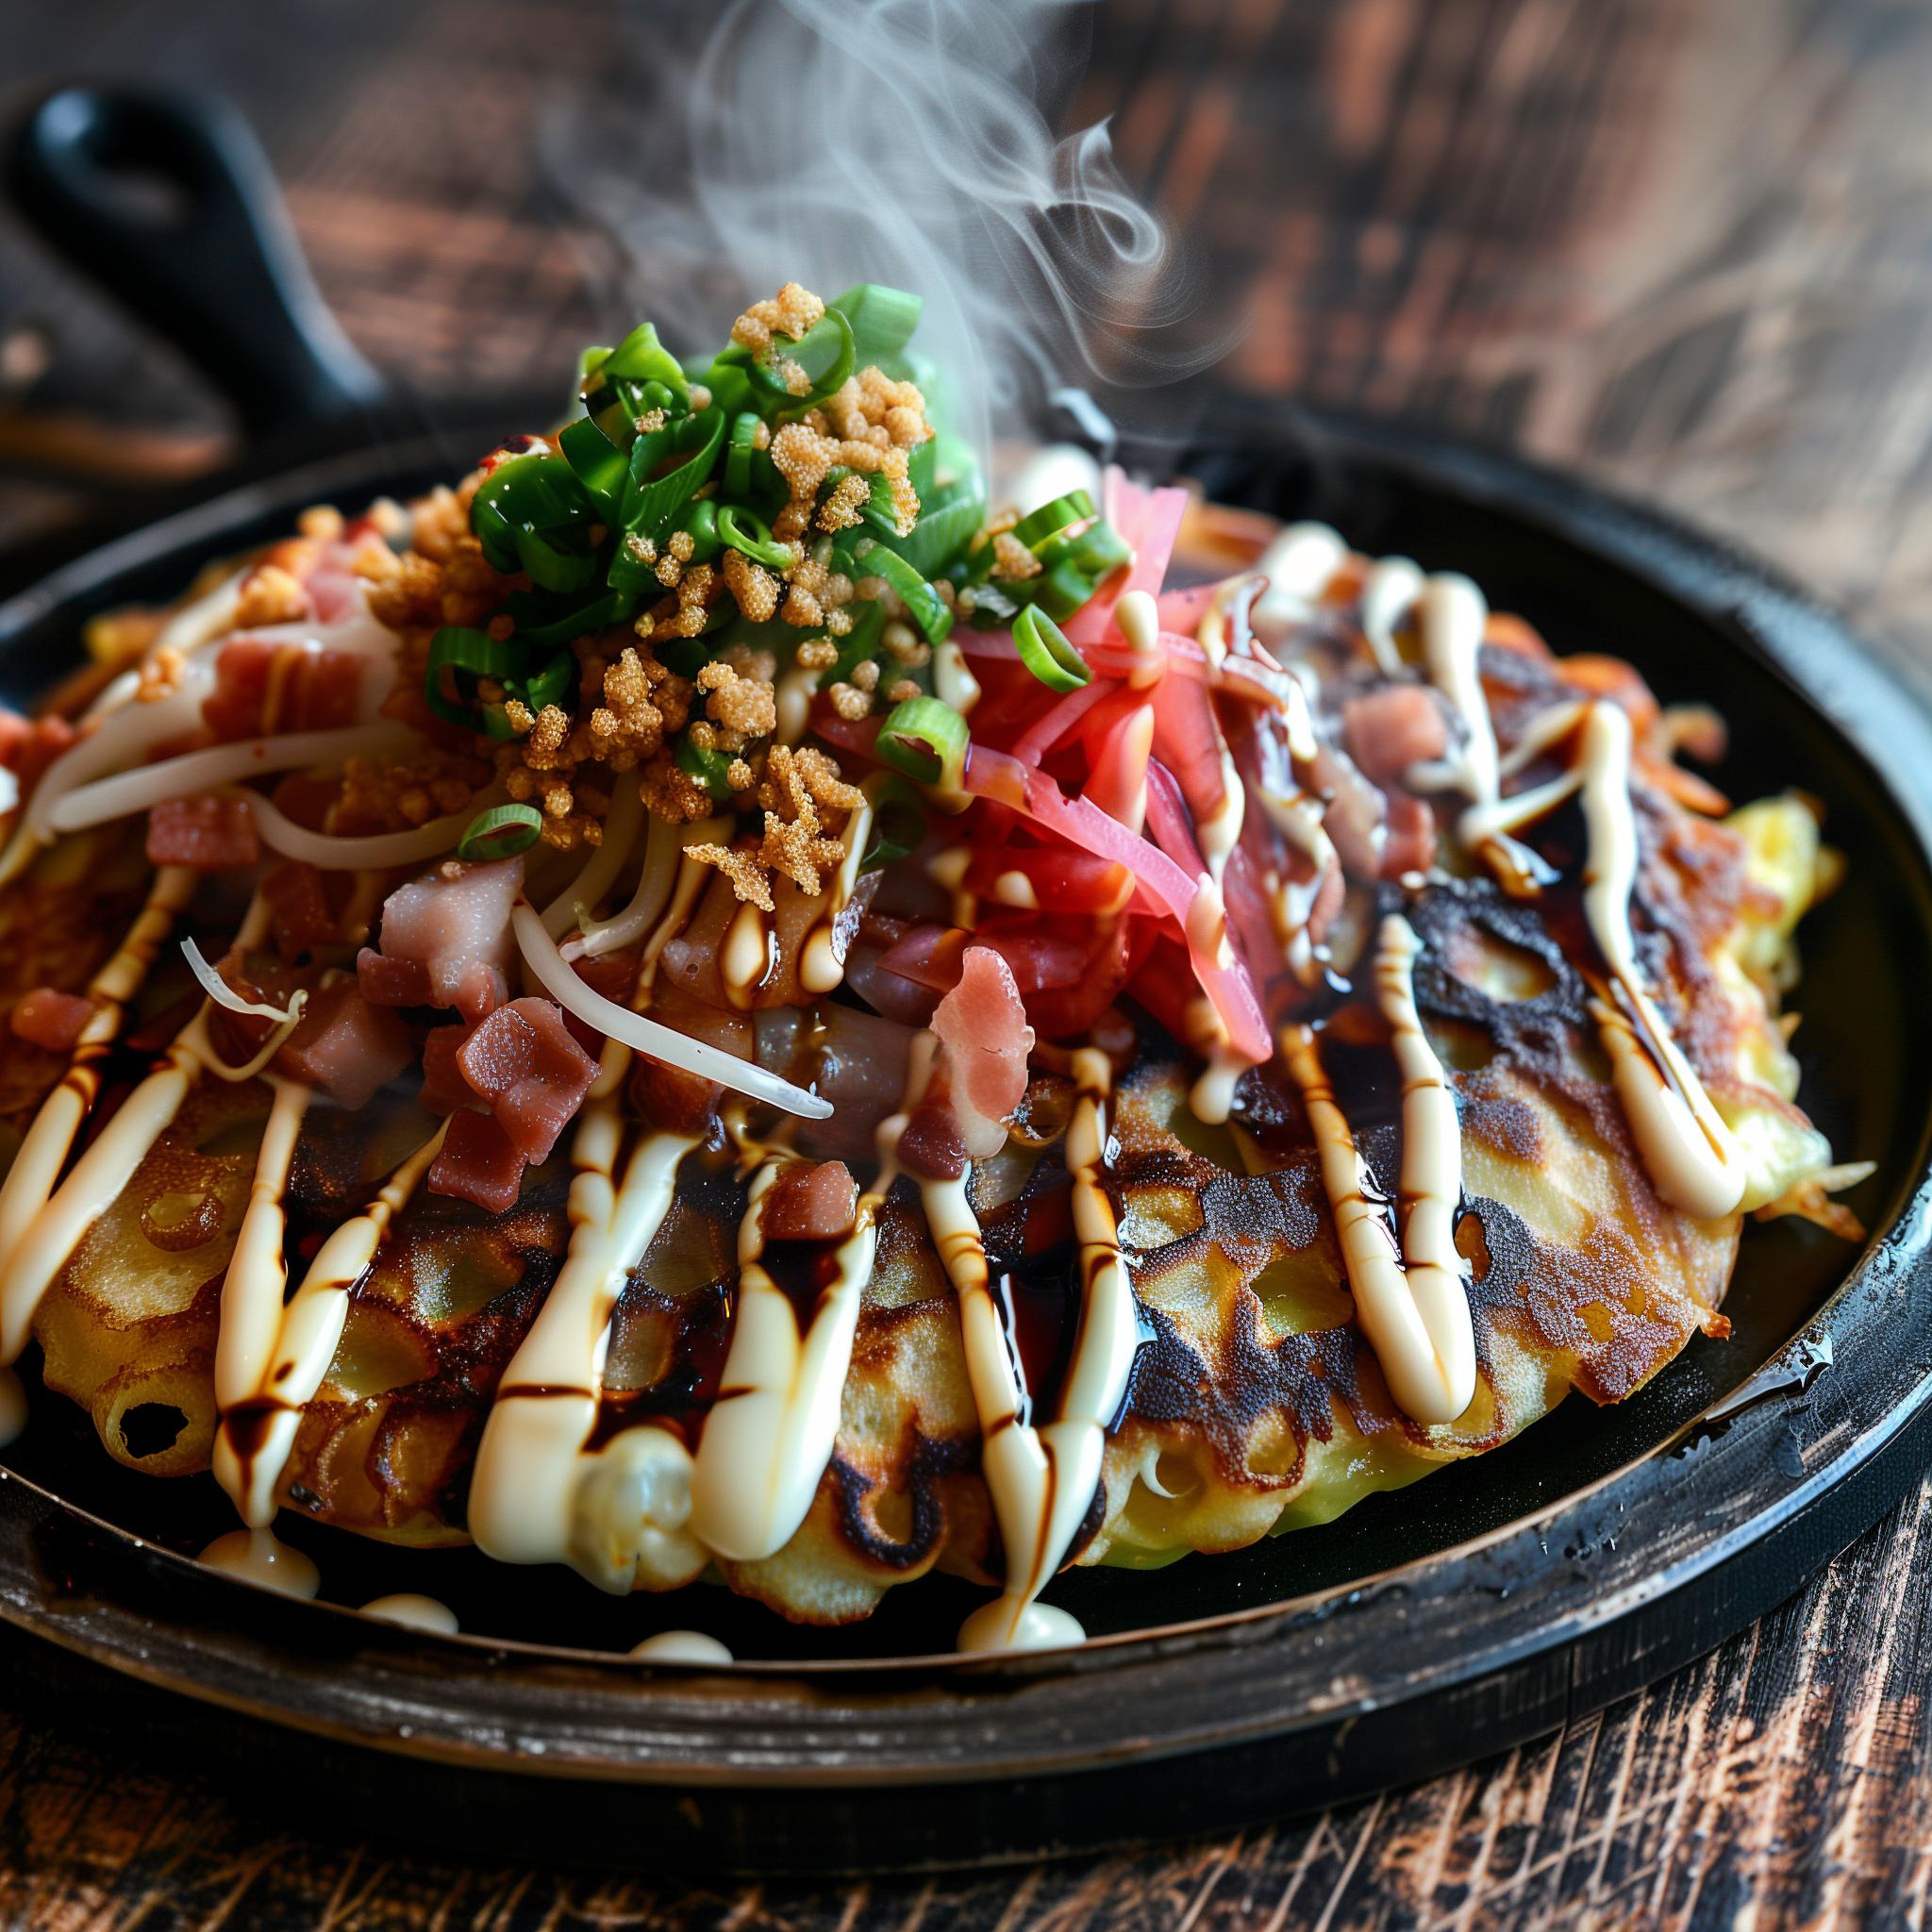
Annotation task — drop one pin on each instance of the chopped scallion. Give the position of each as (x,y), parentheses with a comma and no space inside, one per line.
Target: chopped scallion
(501,832)
(926,740)
(747,531)
(1045,651)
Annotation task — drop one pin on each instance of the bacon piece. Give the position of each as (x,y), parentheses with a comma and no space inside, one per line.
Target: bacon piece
(534,1076)
(297,902)
(29,745)
(444,1089)
(982,1025)
(809,1203)
(930,1144)
(50,1017)
(209,833)
(393,982)
(1393,727)
(671,1100)
(454,925)
(1411,846)
(265,685)
(345,1044)
(476,1162)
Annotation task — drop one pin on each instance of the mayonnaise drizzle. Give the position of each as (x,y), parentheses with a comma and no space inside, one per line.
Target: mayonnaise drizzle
(310,1329)
(1452,614)
(252,1290)
(1413,1301)
(53,1230)
(1042,1477)
(681,1647)
(769,1434)
(1388,595)
(1691,1155)
(531,1462)
(1298,566)
(37,1167)
(414,1612)
(822,967)
(258,1556)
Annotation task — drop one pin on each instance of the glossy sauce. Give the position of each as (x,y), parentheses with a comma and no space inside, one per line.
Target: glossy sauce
(1043,1477)
(1409,1284)
(248,1461)
(534,1457)
(681,1647)
(769,1434)
(257,1555)
(53,1223)
(414,1612)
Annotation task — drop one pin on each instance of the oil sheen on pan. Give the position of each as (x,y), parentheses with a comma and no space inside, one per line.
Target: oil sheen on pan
(719,1005)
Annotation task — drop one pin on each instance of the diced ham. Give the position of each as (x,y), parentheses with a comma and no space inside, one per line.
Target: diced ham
(298,908)
(809,1201)
(455,925)
(265,685)
(29,745)
(345,1044)
(522,1061)
(982,1025)
(336,593)
(1391,728)
(393,982)
(931,1143)
(671,1100)
(477,1163)
(1411,846)
(50,1017)
(209,833)
(444,1089)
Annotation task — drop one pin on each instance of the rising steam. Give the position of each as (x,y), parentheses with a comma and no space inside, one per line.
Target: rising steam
(896,140)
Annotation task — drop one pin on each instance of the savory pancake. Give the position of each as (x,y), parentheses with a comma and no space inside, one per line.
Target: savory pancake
(743,1015)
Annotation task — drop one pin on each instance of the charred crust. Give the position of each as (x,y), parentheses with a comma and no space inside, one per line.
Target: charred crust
(922,1468)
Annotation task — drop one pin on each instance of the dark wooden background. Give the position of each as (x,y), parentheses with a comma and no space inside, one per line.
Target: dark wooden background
(1685,245)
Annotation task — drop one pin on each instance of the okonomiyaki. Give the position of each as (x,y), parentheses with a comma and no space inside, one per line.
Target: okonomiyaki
(717,1005)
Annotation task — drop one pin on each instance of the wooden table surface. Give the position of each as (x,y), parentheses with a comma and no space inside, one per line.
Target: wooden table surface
(1685,245)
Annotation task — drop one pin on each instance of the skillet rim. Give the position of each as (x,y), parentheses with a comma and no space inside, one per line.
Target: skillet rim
(1786,630)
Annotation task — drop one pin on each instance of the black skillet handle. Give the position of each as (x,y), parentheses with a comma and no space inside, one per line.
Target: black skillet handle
(168,201)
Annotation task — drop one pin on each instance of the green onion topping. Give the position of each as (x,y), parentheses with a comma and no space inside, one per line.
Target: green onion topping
(738,453)
(869,557)
(882,320)
(898,825)
(501,832)
(926,740)
(1045,652)
(1050,518)
(473,651)
(747,531)
(712,769)
(825,353)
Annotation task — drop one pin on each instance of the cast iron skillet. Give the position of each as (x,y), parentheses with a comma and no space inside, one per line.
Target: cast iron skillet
(1489,1603)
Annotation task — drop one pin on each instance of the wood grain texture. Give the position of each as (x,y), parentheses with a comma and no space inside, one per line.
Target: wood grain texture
(1682,244)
